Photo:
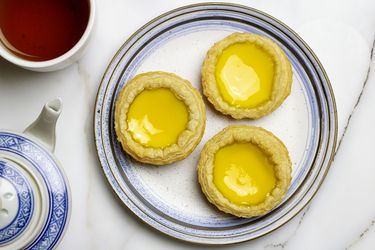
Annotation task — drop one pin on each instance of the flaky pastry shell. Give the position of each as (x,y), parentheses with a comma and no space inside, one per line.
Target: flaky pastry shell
(187,140)
(266,141)
(282,80)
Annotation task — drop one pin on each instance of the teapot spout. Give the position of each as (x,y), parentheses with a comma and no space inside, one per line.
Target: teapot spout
(43,128)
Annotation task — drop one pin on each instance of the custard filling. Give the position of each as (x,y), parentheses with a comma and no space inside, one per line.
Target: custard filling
(157,117)
(244,74)
(243,173)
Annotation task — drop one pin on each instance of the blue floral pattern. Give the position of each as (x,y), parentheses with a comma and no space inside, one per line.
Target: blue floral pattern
(44,163)
(25,205)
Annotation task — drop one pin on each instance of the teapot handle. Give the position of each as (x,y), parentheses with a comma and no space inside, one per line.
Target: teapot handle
(43,128)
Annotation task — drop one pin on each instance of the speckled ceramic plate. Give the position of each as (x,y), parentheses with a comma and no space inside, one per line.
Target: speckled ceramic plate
(169,198)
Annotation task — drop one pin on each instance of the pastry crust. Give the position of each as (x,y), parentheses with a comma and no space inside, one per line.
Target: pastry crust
(282,80)
(266,141)
(187,140)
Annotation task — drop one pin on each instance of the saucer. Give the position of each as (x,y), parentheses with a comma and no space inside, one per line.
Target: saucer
(34,196)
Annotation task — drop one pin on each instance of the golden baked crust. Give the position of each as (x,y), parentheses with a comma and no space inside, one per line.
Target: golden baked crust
(186,141)
(265,140)
(281,84)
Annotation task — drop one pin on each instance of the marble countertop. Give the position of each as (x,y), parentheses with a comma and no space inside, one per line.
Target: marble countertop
(342,214)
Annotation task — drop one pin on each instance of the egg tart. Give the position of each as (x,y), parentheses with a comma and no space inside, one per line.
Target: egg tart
(244,170)
(246,76)
(159,118)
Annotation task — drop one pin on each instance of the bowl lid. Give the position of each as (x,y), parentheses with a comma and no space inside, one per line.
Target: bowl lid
(34,196)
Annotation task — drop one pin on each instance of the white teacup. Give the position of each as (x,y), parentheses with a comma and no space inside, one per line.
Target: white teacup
(60,62)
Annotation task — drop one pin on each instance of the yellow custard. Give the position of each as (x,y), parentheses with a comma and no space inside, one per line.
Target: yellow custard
(243,173)
(244,74)
(157,117)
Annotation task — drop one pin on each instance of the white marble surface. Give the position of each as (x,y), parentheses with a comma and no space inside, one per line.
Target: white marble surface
(341,216)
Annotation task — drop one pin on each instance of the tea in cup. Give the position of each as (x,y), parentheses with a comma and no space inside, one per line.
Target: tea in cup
(44,35)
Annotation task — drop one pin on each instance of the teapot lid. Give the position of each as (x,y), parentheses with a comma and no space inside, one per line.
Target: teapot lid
(20,203)
(34,196)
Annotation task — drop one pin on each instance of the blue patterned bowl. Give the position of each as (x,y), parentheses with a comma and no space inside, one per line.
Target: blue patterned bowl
(168,197)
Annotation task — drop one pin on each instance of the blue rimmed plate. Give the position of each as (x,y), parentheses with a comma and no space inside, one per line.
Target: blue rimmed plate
(169,198)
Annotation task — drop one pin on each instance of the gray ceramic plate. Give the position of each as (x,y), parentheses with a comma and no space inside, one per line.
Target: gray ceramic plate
(168,197)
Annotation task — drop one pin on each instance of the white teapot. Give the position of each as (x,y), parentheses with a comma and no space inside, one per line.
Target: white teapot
(35,198)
